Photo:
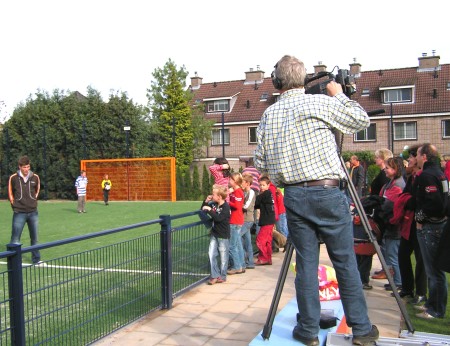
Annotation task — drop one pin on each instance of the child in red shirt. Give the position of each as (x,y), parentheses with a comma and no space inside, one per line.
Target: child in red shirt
(236,221)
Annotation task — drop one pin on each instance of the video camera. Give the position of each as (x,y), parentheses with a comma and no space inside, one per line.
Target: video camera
(343,78)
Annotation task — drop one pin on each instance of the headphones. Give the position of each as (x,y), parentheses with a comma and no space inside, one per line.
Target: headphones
(277,83)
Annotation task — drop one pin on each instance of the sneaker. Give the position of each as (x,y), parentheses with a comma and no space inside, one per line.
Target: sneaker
(404,294)
(235,271)
(420,307)
(220,280)
(250,267)
(418,300)
(303,340)
(379,276)
(368,338)
(388,287)
(212,281)
(367,287)
(425,315)
(40,263)
(260,263)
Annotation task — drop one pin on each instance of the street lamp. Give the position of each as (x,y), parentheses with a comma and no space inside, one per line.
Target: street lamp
(223,135)
(127,129)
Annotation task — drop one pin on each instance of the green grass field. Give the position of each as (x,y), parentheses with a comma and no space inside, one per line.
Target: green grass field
(60,220)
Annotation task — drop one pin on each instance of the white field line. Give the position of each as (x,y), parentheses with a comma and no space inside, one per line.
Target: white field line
(44,265)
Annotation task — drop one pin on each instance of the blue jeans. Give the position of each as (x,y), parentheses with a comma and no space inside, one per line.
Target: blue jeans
(236,250)
(282,224)
(324,211)
(428,238)
(247,244)
(18,223)
(391,247)
(218,247)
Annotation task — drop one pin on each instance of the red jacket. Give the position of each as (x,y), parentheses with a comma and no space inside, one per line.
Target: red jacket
(280,202)
(403,218)
(237,207)
(273,189)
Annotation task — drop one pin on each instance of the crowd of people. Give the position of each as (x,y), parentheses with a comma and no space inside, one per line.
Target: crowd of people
(239,203)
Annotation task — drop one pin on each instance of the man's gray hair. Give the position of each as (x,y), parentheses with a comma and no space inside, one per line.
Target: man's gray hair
(291,72)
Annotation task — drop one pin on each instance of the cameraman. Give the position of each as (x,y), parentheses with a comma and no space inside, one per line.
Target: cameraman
(297,147)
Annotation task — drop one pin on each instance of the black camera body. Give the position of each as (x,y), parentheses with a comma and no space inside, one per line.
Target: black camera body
(343,78)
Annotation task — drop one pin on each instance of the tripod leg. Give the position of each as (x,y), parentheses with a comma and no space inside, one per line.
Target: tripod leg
(267,330)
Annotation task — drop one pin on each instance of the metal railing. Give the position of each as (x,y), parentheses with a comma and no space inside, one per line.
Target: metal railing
(78,298)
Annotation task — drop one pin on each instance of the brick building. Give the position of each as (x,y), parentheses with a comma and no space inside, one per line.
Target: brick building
(415,101)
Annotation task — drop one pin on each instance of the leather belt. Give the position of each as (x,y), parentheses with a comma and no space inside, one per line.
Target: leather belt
(323,182)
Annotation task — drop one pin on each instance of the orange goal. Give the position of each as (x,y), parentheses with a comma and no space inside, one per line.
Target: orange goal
(145,179)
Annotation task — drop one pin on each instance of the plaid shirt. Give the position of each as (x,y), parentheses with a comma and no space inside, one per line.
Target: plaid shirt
(296,141)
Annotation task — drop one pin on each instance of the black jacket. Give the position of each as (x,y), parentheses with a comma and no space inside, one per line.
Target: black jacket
(220,215)
(264,202)
(23,195)
(431,194)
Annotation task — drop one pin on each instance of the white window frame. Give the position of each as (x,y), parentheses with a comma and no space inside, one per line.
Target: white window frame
(250,135)
(365,133)
(216,137)
(398,95)
(445,127)
(218,106)
(403,127)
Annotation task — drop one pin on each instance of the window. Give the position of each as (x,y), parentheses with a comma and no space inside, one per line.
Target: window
(218,106)
(398,95)
(406,130)
(217,137)
(264,97)
(252,134)
(365,92)
(448,85)
(445,128)
(369,134)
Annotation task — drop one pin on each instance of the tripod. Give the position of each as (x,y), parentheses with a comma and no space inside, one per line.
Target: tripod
(267,330)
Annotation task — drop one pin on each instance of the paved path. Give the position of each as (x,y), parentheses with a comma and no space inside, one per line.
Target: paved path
(233,313)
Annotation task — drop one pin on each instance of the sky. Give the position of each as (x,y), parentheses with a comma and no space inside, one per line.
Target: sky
(116,45)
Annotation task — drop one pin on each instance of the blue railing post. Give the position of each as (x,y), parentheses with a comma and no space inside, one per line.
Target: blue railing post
(166,262)
(15,285)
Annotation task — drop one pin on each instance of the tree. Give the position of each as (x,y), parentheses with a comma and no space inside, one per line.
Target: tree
(196,189)
(187,184)
(206,185)
(58,130)
(175,117)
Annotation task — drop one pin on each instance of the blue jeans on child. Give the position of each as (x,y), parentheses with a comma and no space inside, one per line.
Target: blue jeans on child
(247,244)
(281,224)
(218,247)
(236,250)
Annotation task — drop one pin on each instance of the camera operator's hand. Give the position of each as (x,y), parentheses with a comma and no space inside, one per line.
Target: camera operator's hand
(333,88)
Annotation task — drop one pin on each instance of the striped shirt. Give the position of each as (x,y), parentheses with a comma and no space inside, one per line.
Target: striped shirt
(81,184)
(254,172)
(295,137)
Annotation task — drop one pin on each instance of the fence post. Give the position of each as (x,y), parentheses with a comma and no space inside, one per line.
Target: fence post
(166,262)
(15,285)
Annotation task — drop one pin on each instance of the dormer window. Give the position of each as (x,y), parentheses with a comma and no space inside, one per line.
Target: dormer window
(218,106)
(397,95)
